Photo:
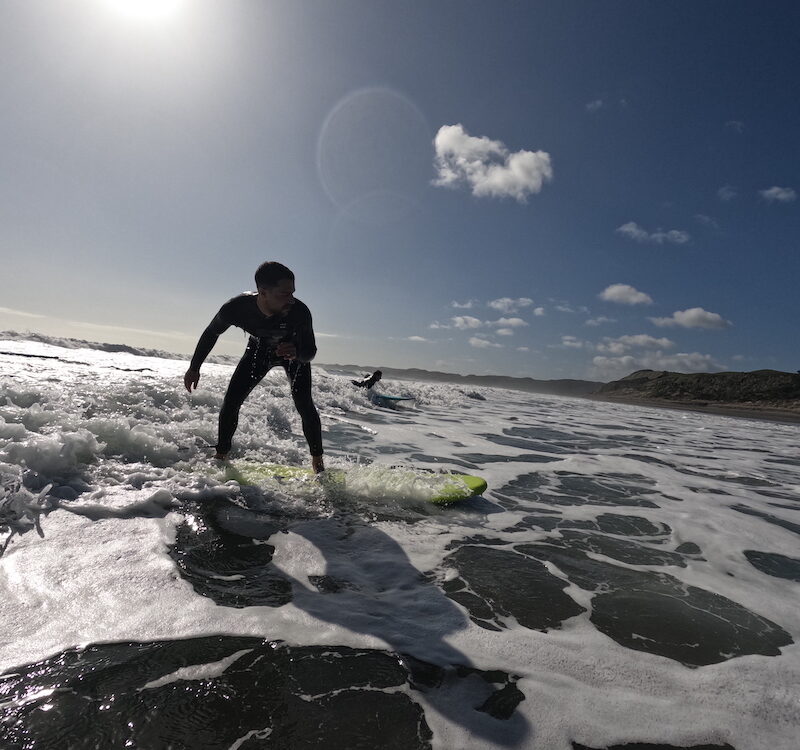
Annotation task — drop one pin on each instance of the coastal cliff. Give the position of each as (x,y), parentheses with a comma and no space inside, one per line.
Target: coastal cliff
(766,393)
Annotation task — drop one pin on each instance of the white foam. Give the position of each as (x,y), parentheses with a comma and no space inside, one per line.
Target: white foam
(196,672)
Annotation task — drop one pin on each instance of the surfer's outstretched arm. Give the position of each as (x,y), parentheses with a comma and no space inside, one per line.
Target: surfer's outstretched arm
(208,338)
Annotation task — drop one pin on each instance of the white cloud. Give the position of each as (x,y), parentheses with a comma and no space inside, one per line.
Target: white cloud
(612,347)
(468,305)
(538,311)
(571,342)
(694,317)
(613,368)
(727,193)
(487,166)
(638,341)
(124,329)
(510,322)
(505,332)
(564,308)
(599,321)
(21,313)
(523,349)
(465,322)
(625,295)
(706,221)
(779,194)
(436,325)
(479,343)
(643,340)
(509,305)
(417,338)
(633,231)
(594,106)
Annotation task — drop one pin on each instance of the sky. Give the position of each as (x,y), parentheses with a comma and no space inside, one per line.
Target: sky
(553,189)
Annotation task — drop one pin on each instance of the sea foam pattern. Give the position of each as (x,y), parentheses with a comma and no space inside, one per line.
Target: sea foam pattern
(632,575)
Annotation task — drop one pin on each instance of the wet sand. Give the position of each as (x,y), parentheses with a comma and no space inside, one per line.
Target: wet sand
(771,413)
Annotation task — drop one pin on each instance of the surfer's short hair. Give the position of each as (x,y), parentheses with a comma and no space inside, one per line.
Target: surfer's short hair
(271,273)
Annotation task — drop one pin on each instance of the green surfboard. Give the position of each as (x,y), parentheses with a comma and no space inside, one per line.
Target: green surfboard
(440,489)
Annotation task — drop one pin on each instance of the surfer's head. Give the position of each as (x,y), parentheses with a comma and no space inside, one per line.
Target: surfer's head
(377,375)
(270,273)
(275,284)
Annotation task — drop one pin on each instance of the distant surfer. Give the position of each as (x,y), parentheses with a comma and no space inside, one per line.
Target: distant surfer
(281,333)
(368,380)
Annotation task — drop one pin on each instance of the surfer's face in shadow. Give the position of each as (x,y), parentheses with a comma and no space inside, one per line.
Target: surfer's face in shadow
(277,299)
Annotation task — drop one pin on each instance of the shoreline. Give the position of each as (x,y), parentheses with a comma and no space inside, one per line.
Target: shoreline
(741,411)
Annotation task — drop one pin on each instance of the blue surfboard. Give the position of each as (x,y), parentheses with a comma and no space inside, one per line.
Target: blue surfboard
(383,399)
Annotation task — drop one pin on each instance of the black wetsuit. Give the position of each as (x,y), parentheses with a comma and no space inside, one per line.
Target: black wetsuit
(367,381)
(266,332)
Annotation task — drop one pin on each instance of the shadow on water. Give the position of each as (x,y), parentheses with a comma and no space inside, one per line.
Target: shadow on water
(363,583)
(245,692)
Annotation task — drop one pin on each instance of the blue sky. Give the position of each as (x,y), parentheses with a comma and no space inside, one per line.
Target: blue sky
(544,189)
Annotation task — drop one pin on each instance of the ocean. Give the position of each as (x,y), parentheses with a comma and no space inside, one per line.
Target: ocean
(630,579)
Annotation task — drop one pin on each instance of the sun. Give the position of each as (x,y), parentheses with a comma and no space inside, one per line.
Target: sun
(145,10)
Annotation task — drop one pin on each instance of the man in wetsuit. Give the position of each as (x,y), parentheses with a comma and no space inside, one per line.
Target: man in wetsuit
(368,380)
(281,333)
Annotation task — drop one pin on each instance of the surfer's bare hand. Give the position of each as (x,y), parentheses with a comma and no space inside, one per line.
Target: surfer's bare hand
(191,378)
(286,349)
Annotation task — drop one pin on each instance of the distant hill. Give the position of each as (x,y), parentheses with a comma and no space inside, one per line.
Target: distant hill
(563,387)
(760,387)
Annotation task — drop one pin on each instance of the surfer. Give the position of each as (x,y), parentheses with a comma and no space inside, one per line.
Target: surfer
(281,333)
(368,380)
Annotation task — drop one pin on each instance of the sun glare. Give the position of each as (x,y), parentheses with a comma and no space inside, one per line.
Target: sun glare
(145,10)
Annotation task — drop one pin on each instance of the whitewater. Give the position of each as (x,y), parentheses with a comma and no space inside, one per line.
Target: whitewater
(631,575)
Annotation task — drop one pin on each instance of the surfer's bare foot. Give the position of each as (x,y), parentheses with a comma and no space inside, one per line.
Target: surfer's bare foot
(221,456)
(317,464)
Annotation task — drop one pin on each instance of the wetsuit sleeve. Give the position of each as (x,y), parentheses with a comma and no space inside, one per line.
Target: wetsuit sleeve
(305,343)
(209,337)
